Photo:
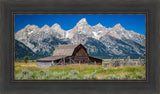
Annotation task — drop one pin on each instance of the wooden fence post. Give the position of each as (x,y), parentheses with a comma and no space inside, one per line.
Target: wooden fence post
(64,61)
(70,60)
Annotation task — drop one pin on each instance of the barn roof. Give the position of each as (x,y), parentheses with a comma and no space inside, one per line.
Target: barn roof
(64,50)
(51,58)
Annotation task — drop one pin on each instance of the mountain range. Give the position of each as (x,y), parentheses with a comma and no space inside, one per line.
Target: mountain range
(99,41)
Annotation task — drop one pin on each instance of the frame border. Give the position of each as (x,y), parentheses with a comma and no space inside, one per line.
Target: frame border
(75,13)
(150,87)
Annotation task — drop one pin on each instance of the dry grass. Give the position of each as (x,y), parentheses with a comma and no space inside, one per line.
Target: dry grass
(26,64)
(74,66)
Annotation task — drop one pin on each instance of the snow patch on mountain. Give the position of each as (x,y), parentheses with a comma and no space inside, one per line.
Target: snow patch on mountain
(30,32)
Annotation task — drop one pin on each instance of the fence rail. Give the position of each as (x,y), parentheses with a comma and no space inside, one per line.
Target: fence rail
(124,62)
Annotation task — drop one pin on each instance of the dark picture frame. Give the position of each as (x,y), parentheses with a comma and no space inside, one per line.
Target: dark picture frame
(75,13)
(148,86)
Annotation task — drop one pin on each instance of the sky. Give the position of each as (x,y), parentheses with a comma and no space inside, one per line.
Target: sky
(135,22)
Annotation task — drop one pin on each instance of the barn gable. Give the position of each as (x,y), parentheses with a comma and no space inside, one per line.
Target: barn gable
(80,50)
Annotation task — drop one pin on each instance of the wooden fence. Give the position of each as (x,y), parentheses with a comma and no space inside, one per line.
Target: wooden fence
(124,62)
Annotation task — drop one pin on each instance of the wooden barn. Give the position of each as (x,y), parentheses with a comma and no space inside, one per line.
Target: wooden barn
(68,54)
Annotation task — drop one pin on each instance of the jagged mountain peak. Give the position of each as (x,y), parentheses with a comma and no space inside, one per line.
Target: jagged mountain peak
(118,26)
(45,26)
(99,25)
(28,29)
(82,21)
(27,26)
(55,25)
(31,26)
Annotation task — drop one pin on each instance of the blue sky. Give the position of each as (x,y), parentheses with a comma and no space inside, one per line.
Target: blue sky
(129,22)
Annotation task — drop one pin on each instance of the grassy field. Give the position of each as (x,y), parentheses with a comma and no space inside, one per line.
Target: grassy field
(75,71)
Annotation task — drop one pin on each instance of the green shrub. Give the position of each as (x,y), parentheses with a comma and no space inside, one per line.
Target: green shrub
(134,76)
(24,75)
(91,76)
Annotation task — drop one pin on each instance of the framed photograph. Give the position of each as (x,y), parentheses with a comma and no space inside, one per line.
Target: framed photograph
(86,49)
(74,47)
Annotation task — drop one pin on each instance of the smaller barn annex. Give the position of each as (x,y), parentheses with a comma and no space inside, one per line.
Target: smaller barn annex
(68,54)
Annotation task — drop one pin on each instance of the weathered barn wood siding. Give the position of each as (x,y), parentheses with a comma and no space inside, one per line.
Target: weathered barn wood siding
(80,51)
(81,55)
(81,60)
(96,60)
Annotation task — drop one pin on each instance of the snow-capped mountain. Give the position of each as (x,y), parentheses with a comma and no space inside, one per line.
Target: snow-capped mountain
(99,40)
